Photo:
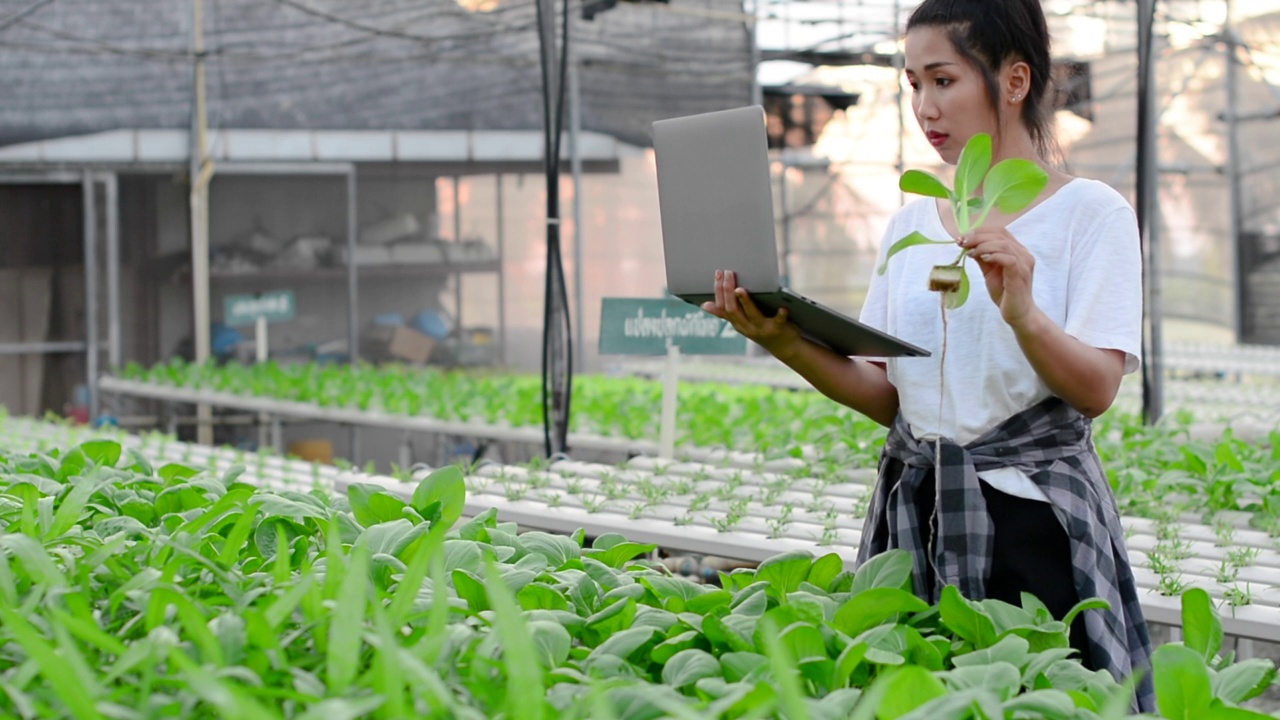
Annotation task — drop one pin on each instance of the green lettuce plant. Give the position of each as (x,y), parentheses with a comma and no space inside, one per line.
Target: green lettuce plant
(1011,185)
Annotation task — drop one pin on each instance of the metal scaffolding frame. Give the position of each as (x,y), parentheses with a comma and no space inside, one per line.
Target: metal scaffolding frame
(92,345)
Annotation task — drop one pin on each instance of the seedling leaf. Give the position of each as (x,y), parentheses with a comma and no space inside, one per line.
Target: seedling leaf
(1013,184)
(975,160)
(445,486)
(1183,689)
(1200,624)
(960,295)
(915,238)
(919,182)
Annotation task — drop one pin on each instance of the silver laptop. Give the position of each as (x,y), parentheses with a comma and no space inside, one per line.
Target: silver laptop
(716,203)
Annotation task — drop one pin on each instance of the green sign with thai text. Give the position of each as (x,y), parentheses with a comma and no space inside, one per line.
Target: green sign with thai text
(275,306)
(644,326)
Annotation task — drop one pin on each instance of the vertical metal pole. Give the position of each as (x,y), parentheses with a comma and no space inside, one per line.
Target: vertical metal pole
(91,291)
(575,161)
(1148,211)
(786,214)
(898,62)
(114,340)
(1234,172)
(353,272)
(355,446)
(757,92)
(200,170)
(457,243)
(353,294)
(502,285)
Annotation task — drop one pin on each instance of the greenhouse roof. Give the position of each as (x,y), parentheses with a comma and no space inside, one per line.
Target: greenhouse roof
(75,67)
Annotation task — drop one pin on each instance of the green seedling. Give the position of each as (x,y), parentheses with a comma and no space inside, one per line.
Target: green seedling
(1011,185)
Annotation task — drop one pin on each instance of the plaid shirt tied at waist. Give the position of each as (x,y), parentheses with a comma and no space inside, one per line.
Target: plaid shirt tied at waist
(1051,443)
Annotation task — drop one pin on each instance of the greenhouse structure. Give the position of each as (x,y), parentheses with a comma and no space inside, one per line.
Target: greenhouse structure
(343,373)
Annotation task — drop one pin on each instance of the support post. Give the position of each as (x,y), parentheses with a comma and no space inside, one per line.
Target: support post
(575,161)
(502,294)
(114,341)
(1234,172)
(670,398)
(353,271)
(200,173)
(457,244)
(260,351)
(1148,211)
(91,292)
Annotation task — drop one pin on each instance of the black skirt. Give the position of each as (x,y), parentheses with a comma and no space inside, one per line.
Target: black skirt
(1032,554)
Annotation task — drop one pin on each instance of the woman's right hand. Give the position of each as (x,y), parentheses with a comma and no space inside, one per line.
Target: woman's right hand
(734,304)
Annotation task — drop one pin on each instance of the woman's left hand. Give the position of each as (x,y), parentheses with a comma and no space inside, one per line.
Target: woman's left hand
(1008,267)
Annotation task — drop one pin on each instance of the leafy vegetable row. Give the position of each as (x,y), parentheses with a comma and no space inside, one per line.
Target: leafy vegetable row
(1158,472)
(134,591)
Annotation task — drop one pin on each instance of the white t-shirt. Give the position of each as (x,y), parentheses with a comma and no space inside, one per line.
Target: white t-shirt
(1088,280)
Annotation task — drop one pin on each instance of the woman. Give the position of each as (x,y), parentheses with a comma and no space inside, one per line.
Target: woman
(1022,504)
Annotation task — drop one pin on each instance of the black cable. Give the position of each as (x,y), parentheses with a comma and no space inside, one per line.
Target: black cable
(554,286)
(550,161)
(16,18)
(560,261)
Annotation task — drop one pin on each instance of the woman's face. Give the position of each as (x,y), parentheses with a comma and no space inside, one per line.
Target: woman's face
(948,96)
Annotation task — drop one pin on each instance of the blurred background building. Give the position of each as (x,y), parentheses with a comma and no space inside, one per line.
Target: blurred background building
(382,161)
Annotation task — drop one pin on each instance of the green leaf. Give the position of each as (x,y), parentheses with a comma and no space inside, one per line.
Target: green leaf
(673,593)
(1011,649)
(785,672)
(915,238)
(71,507)
(557,549)
(372,504)
(919,182)
(470,588)
(1000,678)
(668,648)
(613,619)
(958,297)
(525,690)
(966,619)
(347,623)
(462,554)
(908,689)
(1047,704)
(266,536)
(619,554)
(445,486)
(824,571)
(891,569)
(873,607)
(393,537)
(40,567)
(631,645)
(848,661)
(551,641)
(1013,184)
(1223,712)
(744,666)
(1244,681)
(688,667)
(173,473)
(103,453)
(541,596)
(1200,624)
(785,572)
(1183,688)
(971,168)
(1090,604)
(69,689)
